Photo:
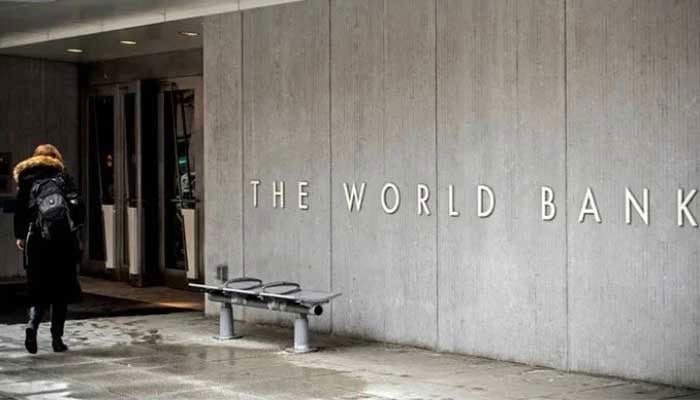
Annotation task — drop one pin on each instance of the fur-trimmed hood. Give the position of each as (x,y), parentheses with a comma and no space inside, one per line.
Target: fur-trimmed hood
(36,162)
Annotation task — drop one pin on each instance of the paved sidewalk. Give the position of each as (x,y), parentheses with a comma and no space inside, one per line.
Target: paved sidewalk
(173,356)
(158,295)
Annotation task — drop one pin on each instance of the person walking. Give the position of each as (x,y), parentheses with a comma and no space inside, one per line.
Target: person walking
(48,216)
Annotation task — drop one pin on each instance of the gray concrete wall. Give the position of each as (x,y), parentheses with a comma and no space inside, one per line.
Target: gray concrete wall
(513,95)
(223,227)
(383,130)
(633,77)
(501,123)
(286,138)
(38,104)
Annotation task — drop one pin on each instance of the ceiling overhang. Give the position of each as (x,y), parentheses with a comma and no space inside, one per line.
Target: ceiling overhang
(25,22)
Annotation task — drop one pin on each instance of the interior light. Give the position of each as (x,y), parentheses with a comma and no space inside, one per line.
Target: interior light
(74,50)
(189,34)
(128,42)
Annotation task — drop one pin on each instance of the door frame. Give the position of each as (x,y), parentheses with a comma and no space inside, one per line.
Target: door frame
(173,277)
(120,179)
(169,276)
(89,169)
(123,198)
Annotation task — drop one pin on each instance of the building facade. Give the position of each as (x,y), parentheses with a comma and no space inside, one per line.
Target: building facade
(510,179)
(515,96)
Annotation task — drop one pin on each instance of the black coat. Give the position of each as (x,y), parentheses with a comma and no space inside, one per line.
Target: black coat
(51,264)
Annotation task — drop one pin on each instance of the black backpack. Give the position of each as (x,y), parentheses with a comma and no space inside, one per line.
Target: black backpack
(53,213)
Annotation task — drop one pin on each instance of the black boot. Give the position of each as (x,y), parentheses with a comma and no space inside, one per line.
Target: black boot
(58,321)
(35,314)
(30,340)
(58,345)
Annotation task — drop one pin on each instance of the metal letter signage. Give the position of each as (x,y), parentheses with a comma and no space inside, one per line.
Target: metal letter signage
(390,201)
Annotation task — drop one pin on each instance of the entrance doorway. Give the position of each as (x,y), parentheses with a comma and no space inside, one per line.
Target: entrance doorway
(180,111)
(143,143)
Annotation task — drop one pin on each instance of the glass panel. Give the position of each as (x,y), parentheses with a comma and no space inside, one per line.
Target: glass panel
(185,118)
(130,163)
(130,150)
(101,166)
(179,174)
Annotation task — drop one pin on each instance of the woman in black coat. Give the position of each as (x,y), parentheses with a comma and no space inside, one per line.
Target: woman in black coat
(50,263)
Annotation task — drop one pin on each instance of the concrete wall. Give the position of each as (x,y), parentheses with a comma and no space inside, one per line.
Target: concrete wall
(502,282)
(383,129)
(38,104)
(513,95)
(633,76)
(285,69)
(223,207)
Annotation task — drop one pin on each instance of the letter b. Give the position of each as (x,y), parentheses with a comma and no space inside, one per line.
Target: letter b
(549,210)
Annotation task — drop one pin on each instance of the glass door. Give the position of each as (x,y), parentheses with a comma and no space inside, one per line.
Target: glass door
(101,171)
(120,217)
(180,117)
(144,141)
(129,188)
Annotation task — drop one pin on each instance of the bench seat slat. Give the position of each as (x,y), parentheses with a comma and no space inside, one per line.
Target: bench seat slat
(303,296)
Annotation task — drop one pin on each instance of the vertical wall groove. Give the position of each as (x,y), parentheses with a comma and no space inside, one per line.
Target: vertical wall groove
(383,132)
(437,183)
(566,193)
(330,153)
(242,128)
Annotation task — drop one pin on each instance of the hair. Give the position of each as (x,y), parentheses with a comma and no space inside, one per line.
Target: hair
(48,150)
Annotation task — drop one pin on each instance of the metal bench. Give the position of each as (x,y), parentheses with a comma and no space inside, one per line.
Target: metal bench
(275,296)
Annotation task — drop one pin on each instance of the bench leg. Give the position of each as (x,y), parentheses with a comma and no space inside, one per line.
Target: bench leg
(226,322)
(301,334)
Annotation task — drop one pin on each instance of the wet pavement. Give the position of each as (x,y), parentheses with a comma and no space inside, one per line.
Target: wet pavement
(14,309)
(174,356)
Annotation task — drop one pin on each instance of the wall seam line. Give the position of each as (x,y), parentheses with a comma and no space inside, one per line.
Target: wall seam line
(241,94)
(566,192)
(383,134)
(330,153)
(217,37)
(437,183)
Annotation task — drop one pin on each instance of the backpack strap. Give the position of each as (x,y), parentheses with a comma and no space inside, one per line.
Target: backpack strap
(34,192)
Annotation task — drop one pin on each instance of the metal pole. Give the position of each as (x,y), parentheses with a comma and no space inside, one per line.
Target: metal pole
(226,322)
(301,334)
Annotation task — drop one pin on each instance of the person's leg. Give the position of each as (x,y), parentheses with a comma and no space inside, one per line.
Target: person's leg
(58,321)
(36,313)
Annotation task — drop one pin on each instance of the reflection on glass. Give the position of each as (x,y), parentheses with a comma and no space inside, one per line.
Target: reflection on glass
(180,182)
(101,167)
(130,137)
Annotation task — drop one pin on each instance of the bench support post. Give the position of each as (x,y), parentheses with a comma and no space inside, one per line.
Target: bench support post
(226,322)
(301,334)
